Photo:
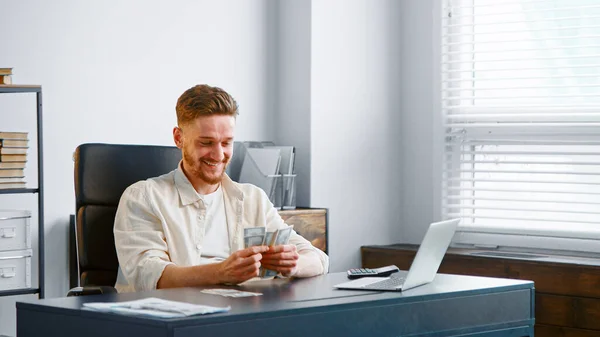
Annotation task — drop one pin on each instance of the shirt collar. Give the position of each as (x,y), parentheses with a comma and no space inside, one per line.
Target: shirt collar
(188,194)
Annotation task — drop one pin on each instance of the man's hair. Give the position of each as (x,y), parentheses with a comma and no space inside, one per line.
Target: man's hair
(204,100)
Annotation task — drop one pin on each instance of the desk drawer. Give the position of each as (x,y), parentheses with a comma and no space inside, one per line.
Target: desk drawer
(15,232)
(15,269)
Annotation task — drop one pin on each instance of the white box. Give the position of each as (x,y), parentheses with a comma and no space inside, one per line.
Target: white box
(15,269)
(15,230)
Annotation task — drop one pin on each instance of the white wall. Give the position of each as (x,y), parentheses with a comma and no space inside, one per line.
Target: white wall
(354,78)
(112,71)
(293,112)
(356,123)
(421,120)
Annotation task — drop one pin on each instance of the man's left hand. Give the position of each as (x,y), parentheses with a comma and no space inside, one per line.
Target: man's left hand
(282,258)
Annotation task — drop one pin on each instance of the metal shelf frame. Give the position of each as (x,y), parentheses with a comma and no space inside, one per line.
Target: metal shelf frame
(37,89)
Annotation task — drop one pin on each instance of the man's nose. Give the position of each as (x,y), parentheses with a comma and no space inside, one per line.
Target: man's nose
(217,153)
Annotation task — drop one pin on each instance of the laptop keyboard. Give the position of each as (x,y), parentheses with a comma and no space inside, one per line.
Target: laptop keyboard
(390,283)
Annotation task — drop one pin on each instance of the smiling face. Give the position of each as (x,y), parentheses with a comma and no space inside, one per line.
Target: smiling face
(207,146)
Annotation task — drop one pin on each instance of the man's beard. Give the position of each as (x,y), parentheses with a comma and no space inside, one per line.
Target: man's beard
(197,172)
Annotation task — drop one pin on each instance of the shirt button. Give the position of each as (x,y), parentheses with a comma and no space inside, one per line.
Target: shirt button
(198,246)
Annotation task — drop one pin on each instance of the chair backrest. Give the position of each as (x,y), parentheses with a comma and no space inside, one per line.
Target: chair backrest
(102,173)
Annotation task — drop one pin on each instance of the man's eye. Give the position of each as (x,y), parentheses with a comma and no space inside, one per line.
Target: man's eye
(206,143)
(227,144)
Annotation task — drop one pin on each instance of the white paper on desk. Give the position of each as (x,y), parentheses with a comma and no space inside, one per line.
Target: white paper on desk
(155,307)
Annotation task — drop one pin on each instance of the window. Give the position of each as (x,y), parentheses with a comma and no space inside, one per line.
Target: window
(521,110)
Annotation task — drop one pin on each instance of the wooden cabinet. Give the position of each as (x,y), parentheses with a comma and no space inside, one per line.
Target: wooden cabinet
(311,223)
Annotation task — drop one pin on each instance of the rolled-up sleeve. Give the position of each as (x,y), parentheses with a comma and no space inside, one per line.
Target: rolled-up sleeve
(139,240)
(316,262)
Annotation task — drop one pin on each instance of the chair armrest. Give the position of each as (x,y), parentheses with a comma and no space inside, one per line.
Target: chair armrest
(91,290)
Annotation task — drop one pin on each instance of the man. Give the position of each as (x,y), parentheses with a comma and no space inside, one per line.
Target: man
(186,228)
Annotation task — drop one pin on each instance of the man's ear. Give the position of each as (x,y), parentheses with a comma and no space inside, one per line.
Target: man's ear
(178,137)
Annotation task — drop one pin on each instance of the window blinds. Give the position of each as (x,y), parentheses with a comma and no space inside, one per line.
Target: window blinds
(521,111)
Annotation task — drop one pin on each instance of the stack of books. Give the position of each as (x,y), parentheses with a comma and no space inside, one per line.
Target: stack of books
(5,75)
(13,158)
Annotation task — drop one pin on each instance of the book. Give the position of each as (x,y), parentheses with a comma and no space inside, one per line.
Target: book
(20,184)
(12,165)
(14,142)
(5,79)
(11,180)
(13,150)
(13,157)
(13,135)
(20,173)
(6,71)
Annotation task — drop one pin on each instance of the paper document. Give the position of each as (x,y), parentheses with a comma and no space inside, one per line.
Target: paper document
(155,307)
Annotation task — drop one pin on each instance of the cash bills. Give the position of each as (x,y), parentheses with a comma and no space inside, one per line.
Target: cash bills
(268,238)
(258,236)
(254,236)
(230,292)
(280,237)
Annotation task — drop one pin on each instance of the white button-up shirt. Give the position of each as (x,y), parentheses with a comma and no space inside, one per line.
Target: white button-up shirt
(159,222)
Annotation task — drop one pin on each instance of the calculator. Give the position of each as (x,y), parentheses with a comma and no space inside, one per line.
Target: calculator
(377,272)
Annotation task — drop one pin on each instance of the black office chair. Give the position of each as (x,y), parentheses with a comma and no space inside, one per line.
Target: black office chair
(102,173)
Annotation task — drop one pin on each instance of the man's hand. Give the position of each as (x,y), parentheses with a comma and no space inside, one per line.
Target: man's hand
(283,259)
(241,265)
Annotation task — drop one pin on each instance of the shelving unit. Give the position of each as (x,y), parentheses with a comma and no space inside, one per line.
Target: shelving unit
(37,89)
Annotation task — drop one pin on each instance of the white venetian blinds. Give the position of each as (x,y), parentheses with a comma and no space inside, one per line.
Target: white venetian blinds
(521,105)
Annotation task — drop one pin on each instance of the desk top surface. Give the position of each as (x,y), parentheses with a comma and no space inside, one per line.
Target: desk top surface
(283,295)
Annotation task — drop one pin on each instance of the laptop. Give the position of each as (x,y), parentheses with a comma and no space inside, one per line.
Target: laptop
(423,268)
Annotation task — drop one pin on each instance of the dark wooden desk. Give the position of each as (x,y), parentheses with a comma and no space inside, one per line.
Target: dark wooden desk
(452,305)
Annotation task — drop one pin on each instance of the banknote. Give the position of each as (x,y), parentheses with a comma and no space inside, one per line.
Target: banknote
(254,231)
(250,241)
(254,236)
(268,238)
(279,237)
(283,236)
(266,242)
(230,292)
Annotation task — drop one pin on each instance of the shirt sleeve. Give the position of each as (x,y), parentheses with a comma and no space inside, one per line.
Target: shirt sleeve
(139,240)
(313,261)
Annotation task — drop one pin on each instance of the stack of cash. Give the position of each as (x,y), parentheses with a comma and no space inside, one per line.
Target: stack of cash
(230,292)
(258,236)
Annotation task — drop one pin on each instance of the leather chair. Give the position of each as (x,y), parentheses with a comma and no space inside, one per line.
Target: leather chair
(102,173)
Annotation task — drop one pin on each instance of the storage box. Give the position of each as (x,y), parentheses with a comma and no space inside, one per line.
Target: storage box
(15,231)
(15,269)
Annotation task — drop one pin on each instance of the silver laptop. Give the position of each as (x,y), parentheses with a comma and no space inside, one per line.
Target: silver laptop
(422,270)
